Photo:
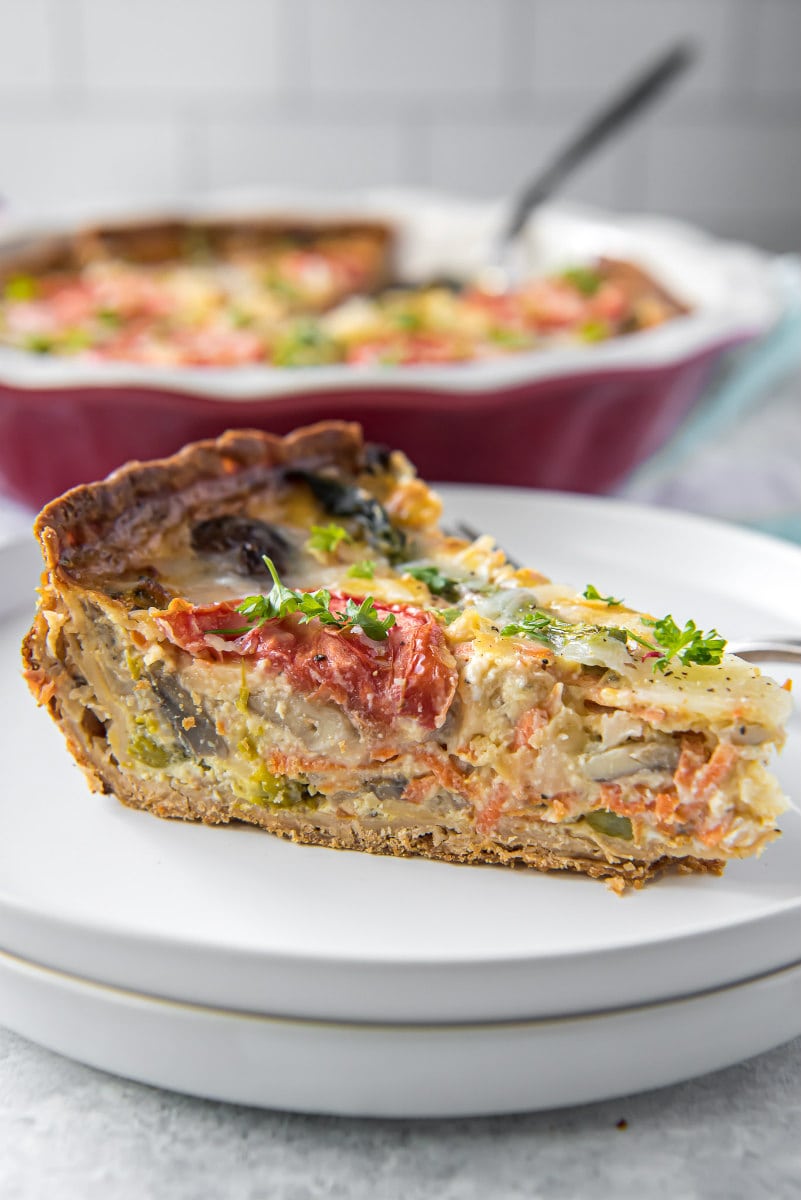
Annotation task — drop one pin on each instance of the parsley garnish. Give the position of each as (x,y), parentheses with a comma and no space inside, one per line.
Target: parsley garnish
(310,606)
(362,570)
(21,287)
(688,645)
(594,331)
(326,538)
(40,343)
(583,279)
(449,615)
(541,627)
(408,321)
(345,500)
(436,582)
(591,593)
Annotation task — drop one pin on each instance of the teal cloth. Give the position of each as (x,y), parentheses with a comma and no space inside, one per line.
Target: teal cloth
(748,378)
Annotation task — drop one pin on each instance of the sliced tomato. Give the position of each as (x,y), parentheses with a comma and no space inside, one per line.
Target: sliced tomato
(219,347)
(552,304)
(411,674)
(609,302)
(408,349)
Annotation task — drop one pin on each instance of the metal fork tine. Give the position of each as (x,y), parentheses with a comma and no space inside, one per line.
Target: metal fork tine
(462,529)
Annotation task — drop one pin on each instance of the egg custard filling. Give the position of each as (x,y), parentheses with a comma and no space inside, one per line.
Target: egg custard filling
(278,631)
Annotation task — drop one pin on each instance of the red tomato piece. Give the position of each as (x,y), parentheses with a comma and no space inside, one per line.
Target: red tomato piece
(411,674)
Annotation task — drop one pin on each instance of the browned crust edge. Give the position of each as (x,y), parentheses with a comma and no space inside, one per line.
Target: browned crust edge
(143,496)
(160,239)
(640,284)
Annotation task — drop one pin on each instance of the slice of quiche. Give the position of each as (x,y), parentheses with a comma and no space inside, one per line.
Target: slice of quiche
(277,631)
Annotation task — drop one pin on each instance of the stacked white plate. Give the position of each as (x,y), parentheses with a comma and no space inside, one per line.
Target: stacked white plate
(229,964)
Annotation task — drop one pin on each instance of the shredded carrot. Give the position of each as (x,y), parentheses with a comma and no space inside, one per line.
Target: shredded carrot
(490,814)
(418,790)
(665,806)
(611,794)
(444,771)
(692,757)
(715,834)
(531,720)
(720,766)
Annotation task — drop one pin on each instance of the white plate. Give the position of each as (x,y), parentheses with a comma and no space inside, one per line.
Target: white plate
(397,1070)
(237,919)
(735,292)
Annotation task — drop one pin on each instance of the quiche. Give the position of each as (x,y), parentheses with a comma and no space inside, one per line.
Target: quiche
(294,294)
(277,631)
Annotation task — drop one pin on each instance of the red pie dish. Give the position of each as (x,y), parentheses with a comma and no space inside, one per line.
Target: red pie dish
(126,340)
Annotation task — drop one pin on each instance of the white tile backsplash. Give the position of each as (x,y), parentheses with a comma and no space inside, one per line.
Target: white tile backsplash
(199,48)
(26,48)
(53,161)
(413,49)
(484,157)
(121,99)
(581,46)
(720,168)
(315,154)
(777,52)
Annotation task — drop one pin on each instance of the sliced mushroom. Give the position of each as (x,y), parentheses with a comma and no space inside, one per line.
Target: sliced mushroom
(388,789)
(345,500)
(747,734)
(192,726)
(630,758)
(243,542)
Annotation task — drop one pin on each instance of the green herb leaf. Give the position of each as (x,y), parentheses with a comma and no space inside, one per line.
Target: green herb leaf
(362,570)
(21,287)
(311,606)
(594,331)
(346,500)
(541,627)
(591,593)
(688,645)
(364,616)
(75,340)
(510,339)
(326,538)
(40,343)
(279,603)
(305,344)
(437,583)
(551,631)
(408,321)
(584,279)
(449,615)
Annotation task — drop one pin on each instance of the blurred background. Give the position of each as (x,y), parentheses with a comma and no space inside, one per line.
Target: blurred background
(114,102)
(109,100)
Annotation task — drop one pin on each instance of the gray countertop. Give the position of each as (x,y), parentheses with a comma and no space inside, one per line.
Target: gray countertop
(68,1132)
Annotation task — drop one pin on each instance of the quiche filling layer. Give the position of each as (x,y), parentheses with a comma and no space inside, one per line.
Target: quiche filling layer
(296,295)
(445,701)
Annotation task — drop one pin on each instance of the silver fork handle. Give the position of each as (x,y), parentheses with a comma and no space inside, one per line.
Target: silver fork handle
(767,649)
